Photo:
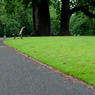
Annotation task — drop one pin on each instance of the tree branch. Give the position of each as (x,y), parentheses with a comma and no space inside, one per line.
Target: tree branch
(84,10)
(87,13)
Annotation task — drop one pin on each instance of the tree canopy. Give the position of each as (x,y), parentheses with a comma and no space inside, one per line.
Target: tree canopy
(42,17)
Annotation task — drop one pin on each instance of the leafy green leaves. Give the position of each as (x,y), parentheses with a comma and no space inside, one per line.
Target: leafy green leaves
(12,23)
(82,25)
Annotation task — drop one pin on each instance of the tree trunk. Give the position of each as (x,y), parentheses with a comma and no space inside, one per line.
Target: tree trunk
(65,17)
(41,19)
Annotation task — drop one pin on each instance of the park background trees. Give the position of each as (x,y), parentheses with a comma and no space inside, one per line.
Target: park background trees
(70,7)
(48,17)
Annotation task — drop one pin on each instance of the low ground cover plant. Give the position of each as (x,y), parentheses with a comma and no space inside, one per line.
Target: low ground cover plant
(72,55)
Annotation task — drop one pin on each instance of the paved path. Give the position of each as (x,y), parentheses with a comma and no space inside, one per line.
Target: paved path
(20,75)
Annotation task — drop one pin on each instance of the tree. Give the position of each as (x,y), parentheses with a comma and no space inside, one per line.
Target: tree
(70,7)
(41,17)
(81,25)
(12,23)
(55,22)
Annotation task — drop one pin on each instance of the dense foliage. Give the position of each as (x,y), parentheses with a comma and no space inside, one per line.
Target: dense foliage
(82,25)
(11,23)
(21,16)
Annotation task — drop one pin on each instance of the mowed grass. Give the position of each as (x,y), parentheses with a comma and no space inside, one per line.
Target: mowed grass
(71,55)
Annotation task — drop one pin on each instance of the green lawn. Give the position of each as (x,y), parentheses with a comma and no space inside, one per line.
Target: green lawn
(72,55)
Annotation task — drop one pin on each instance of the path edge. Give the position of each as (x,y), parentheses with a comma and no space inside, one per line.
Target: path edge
(64,75)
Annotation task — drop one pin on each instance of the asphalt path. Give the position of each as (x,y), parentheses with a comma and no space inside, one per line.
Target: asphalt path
(21,75)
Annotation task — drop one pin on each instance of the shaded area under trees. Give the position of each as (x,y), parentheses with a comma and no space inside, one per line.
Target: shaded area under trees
(41,22)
